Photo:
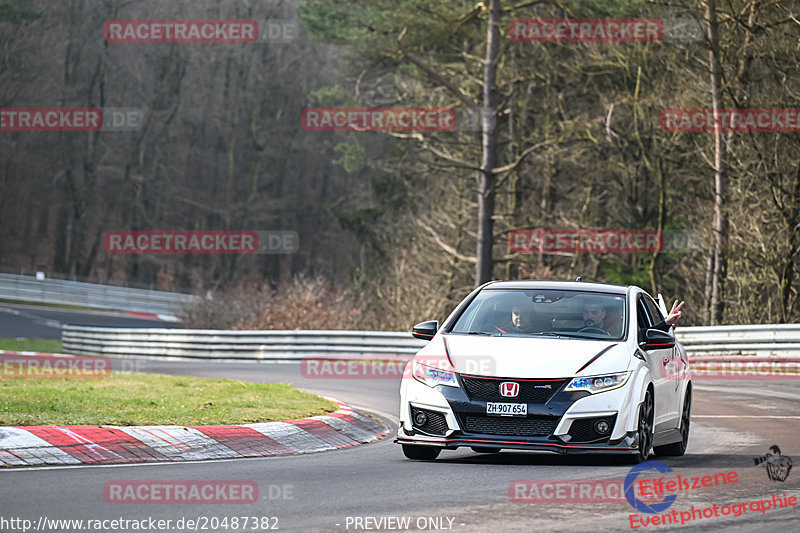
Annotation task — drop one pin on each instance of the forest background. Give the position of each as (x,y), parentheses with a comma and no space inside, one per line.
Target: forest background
(397,227)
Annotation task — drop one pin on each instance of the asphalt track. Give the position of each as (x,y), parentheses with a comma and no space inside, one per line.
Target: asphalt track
(37,322)
(733,422)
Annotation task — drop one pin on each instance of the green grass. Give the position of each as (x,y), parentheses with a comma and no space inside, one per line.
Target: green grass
(152,399)
(31,345)
(54,306)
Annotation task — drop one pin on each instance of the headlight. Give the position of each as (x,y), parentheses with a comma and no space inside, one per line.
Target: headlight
(433,376)
(598,383)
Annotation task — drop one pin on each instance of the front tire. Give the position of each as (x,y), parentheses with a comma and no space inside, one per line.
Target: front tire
(677,449)
(420,453)
(645,429)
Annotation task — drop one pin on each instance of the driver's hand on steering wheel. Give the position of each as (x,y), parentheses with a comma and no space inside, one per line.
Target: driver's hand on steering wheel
(593,329)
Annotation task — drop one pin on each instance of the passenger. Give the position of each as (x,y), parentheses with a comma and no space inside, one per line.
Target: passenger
(596,315)
(672,318)
(613,321)
(523,317)
(521,321)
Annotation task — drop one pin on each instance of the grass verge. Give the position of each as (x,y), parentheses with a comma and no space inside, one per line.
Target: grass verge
(31,345)
(127,399)
(67,307)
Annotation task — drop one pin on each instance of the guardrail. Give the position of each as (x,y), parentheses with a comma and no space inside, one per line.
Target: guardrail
(217,344)
(720,342)
(746,340)
(91,295)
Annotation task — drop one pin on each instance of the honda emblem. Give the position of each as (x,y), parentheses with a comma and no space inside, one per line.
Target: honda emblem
(509,389)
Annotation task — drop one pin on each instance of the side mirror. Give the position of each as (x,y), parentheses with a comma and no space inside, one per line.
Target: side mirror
(425,330)
(655,339)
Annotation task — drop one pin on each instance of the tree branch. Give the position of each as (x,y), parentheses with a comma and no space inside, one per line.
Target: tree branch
(436,151)
(525,153)
(443,245)
(469,102)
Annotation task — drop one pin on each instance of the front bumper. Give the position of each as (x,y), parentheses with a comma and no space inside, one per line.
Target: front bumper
(628,445)
(559,423)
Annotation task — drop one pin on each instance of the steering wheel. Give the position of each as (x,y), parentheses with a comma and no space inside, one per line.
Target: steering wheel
(592,329)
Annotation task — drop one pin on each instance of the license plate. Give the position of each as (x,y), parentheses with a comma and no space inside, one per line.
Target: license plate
(507,409)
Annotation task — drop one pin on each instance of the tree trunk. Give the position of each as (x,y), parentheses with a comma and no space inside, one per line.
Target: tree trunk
(720,225)
(791,221)
(486,177)
(662,217)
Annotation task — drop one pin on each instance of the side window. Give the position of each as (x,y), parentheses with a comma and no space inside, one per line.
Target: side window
(655,312)
(643,316)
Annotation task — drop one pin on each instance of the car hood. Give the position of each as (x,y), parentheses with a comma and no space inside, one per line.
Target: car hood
(534,357)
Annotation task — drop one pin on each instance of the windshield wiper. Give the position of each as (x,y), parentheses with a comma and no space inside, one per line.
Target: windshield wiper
(565,335)
(478,333)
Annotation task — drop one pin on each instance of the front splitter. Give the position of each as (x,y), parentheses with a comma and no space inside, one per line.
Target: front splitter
(628,445)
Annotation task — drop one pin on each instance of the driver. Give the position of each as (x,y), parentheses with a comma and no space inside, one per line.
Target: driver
(593,315)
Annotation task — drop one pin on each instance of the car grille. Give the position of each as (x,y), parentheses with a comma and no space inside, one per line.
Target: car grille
(435,425)
(538,426)
(488,390)
(582,429)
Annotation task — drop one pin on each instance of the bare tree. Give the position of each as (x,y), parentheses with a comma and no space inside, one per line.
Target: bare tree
(719,254)
(486,178)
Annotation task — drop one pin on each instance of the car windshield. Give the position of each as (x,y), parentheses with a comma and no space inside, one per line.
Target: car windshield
(537,312)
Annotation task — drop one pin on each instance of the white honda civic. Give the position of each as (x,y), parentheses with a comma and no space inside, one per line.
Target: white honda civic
(568,367)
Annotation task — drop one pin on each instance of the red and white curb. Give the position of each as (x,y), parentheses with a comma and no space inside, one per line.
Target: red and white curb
(74,445)
(154,316)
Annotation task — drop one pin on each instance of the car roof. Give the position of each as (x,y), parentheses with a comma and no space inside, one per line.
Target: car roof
(559,285)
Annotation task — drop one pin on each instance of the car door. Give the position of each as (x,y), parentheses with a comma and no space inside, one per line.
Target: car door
(658,362)
(674,366)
